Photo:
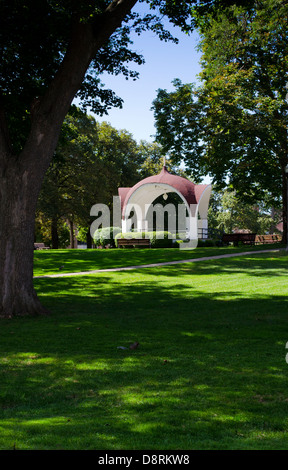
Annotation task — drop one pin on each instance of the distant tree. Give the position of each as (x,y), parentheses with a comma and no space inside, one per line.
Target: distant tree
(60,195)
(153,158)
(55,235)
(116,164)
(180,125)
(90,162)
(228,213)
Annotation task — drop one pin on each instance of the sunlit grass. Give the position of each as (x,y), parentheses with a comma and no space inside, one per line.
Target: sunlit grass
(210,371)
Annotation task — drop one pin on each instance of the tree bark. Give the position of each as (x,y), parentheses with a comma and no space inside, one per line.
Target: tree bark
(18,197)
(284,208)
(54,233)
(283,162)
(72,235)
(89,239)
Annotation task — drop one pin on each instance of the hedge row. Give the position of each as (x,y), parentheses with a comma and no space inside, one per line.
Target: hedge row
(109,236)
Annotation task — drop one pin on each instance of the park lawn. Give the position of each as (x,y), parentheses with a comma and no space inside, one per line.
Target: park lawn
(210,371)
(48,262)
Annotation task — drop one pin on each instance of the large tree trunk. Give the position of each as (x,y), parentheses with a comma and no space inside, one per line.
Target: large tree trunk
(284,209)
(18,199)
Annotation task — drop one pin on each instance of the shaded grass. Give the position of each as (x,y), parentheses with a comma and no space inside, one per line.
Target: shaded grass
(68,261)
(210,372)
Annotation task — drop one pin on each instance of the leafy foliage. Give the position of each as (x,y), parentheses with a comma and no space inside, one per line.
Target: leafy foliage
(178,117)
(228,213)
(105,236)
(33,46)
(234,126)
(32,49)
(245,72)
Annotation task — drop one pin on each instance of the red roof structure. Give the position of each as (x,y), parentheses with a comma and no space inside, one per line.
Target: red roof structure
(141,196)
(191,192)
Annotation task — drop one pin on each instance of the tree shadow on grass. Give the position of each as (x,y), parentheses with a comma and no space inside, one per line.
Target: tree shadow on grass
(210,371)
(252,265)
(55,261)
(256,266)
(164,408)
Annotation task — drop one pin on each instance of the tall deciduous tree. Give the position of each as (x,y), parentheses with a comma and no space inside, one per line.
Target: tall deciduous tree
(47,48)
(73,172)
(234,126)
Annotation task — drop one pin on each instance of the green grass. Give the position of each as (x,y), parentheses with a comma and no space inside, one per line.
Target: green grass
(210,371)
(68,261)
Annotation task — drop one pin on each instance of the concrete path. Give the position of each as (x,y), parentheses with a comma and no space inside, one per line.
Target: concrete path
(129,268)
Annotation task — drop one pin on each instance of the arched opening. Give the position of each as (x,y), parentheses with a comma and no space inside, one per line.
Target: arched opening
(171,217)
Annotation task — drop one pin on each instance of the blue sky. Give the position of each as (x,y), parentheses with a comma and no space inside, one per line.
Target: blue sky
(164,61)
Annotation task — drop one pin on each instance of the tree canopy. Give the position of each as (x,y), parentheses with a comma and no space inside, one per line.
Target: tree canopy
(234,125)
(37,35)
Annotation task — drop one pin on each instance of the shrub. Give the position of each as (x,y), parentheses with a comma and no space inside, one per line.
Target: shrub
(105,236)
(161,239)
(96,237)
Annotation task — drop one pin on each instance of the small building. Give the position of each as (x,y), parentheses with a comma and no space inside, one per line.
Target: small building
(194,198)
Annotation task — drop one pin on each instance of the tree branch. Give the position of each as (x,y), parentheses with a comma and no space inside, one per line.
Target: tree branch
(112,18)
(51,109)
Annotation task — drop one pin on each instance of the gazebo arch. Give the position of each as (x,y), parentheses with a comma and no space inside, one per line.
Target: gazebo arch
(142,195)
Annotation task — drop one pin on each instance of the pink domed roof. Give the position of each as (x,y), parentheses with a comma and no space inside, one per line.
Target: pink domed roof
(190,191)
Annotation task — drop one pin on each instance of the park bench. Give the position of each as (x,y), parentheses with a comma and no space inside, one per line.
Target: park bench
(235,238)
(131,242)
(41,246)
(262,239)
